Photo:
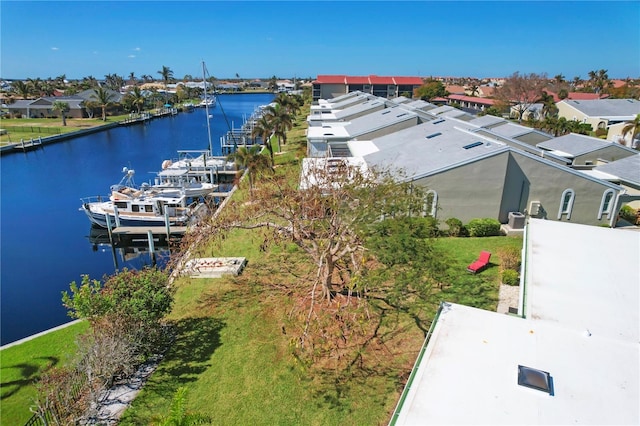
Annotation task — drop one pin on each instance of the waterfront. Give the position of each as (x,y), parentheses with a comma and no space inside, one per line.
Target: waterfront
(45,237)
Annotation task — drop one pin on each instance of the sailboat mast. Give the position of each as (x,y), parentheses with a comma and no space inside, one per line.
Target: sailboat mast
(206,106)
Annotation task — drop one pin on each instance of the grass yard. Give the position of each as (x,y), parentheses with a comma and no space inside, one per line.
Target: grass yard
(22,364)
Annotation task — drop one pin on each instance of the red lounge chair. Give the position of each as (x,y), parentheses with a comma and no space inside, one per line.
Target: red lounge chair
(481,263)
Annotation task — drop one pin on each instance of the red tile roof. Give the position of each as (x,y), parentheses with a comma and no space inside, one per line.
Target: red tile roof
(371,79)
(473,99)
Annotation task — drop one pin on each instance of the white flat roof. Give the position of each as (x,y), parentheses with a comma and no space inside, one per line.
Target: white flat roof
(469,374)
(581,325)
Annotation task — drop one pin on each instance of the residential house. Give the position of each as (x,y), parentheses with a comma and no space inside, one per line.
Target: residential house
(473,175)
(43,107)
(474,166)
(605,114)
(568,354)
(331,86)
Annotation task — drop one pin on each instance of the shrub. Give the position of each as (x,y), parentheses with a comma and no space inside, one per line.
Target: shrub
(628,213)
(431,226)
(456,228)
(509,258)
(486,227)
(510,277)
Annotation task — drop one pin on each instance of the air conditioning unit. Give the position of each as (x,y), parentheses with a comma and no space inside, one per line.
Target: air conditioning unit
(534,208)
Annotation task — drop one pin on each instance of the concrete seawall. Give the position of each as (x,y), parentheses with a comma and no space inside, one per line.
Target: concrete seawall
(16,147)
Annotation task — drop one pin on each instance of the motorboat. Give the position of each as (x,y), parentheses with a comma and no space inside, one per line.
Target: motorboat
(143,208)
(147,205)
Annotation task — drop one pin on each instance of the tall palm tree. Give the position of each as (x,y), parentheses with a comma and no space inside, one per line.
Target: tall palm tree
(263,128)
(167,77)
(103,98)
(633,128)
(62,107)
(251,159)
(136,98)
(132,78)
(281,121)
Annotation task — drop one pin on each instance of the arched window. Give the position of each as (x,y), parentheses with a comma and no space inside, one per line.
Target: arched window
(566,203)
(431,204)
(606,205)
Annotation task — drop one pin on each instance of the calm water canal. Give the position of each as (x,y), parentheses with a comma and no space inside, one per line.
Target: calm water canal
(44,237)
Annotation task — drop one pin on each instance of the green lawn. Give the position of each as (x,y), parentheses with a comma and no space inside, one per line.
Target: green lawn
(22,364)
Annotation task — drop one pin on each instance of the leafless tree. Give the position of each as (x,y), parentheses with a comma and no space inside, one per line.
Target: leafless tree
(522,90)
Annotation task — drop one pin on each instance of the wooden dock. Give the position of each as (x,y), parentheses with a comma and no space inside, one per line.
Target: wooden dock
(144,230)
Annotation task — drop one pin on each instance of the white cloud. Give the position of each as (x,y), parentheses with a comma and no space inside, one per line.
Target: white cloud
(137,49)
(54,48)
(131,56)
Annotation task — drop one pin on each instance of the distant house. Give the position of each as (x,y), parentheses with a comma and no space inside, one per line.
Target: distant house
(606,114)
(472,104)
(331,86)
(43,107)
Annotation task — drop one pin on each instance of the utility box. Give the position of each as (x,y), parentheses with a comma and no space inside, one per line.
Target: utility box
(516,220)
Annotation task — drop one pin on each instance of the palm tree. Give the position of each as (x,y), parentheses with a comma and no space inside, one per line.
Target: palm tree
(549,107)
(281,121)
(263,128)
(251,159)
(167,77)
(632,127)
(62,107)
(136,98)
(21,88)
(599,80)
(132,78)
(103,97)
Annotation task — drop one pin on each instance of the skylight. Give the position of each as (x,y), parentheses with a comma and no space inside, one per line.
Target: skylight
(433,135)
(535,379)
(472,145)
(438,121)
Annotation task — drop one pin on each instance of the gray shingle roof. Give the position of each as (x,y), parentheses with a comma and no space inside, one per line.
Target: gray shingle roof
(574,144)
(627,169)
(623,108)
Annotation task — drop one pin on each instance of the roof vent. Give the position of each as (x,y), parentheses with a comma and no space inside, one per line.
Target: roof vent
(535,379)
(433,135)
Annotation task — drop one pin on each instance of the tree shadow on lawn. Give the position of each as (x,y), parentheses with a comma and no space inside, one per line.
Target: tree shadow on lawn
(190,354)
(29,373)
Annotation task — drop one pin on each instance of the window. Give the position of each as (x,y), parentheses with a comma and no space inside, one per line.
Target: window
(431,204)
(566,203)
(606,204)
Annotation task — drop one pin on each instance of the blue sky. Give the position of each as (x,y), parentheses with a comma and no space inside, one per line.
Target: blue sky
(304,39)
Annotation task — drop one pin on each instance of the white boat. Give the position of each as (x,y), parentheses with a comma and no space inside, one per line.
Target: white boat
(128,205)
(143,208)
(208,102)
